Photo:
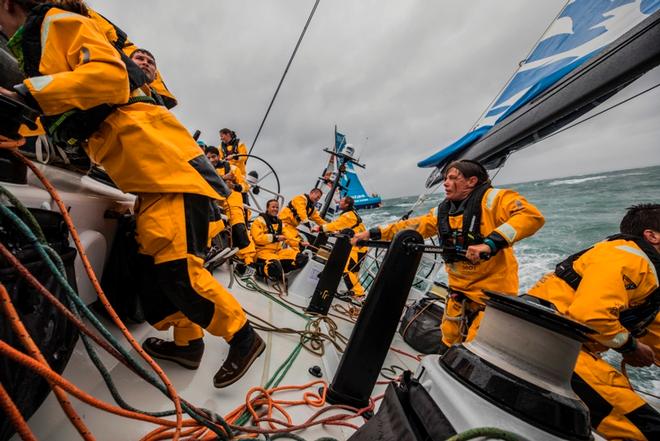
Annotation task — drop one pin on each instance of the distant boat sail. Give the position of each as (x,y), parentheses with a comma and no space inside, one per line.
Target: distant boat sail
(350,182)
(592,50)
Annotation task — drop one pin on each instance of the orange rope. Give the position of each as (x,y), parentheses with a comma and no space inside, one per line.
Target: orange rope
(101,295)
(46,372)
(25,273)
(14,415)
(33,350)
(261,405)
(8,143)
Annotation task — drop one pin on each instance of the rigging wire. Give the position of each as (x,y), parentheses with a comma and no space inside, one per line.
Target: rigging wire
(577,123)
(286,70)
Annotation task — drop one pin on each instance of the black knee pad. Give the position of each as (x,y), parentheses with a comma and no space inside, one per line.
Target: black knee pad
(274,270)
(301,260)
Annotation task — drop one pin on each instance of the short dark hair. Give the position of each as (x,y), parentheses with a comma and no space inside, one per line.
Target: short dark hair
(349,201)
(315,189)
(211,149)
(639,218)
(269,201)
(142,51)
(469,168)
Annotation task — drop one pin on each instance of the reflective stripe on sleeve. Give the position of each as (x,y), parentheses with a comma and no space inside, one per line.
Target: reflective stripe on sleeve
(490,199)
(641,254)
(40,82)
(507,231)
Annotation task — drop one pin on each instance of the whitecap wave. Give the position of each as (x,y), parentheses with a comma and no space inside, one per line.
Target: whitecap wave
(576,181)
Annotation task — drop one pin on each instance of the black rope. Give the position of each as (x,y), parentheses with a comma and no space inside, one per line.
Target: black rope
(302,34)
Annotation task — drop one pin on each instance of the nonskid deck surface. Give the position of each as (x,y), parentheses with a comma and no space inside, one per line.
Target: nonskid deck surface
(49,422)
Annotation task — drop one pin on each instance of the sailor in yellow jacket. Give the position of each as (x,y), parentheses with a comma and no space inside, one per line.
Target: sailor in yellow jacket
(613,288)
(72,68)
(273,259)
(230,149)
(476,225)
(349,219)
(300,210)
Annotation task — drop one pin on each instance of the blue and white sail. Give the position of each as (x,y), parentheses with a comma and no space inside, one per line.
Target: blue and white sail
(587,34)
(350,182)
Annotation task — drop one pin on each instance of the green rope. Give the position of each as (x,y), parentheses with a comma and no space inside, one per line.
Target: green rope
(490,432)
(72,295)
(28,216)
(275,379)
(252,286)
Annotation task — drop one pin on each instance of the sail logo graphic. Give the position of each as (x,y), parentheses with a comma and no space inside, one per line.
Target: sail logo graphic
(581,30)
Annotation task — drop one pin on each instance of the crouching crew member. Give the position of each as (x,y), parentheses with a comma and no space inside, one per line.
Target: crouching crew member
(273,260)
(85,88)
(351,220)
(476,225)
(300,210)
(613,288)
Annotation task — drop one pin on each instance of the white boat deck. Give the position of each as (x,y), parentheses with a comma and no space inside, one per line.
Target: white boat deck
(49,422)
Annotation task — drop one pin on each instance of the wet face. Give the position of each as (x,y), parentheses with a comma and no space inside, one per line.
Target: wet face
(146,63)
(213,158)
(273,208)
(315,196)
(225,137)
(457,186)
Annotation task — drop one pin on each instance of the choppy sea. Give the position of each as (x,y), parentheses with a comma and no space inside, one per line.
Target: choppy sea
(578,210)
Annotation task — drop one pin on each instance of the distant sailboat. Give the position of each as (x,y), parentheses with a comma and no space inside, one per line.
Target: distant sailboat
(350,182)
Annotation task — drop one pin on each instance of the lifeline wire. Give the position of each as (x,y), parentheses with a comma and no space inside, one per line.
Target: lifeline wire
(272,101)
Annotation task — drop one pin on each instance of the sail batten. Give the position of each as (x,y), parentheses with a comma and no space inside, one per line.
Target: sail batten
(587,39)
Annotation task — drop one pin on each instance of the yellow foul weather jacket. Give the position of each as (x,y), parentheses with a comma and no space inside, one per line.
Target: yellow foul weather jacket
(300,210)
(503,211)
(616,275)
(240,149)
(80,69)
(348,219)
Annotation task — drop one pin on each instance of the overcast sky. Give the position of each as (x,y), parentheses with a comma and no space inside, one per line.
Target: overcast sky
(400,78)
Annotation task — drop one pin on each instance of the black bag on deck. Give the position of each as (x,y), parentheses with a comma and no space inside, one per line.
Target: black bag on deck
(407,413)
(420,326)
(123,274)
(51,331)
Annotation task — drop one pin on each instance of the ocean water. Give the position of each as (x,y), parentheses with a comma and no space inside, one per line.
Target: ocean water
(578,210)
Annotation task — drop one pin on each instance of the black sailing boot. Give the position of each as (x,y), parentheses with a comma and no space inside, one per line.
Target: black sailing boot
(244,348)
(187,356)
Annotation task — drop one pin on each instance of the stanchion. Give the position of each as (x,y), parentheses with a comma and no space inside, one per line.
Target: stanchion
(375,328)
(329,280)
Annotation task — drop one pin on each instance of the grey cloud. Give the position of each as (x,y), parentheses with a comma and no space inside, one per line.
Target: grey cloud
(410,76)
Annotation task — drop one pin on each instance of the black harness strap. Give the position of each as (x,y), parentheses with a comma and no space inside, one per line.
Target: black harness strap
(358,219)
(470,233)
(231,148)
(637,318)
(309,209)
(270,221)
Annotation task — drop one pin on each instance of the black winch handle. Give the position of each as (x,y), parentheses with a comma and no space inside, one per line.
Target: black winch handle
(429,249)
(374,243)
